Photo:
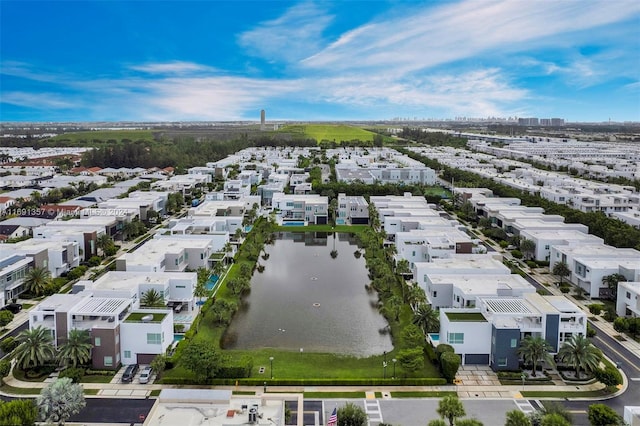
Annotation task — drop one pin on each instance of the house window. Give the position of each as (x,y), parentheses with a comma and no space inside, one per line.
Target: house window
(435,294)
(514,343)
(628,295)
(456,338)
(108,361)
(97,342)
(154,338)
(117,339)
(127,354)
(546,247)
(502,362)
(180,286)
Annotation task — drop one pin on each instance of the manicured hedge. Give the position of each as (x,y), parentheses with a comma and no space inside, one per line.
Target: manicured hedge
(312,382)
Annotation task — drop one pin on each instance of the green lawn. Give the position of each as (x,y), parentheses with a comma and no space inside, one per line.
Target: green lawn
(105,135)
(425,394)
(466,316)
(330,132)
(96,378)
(560,394)
(340,395)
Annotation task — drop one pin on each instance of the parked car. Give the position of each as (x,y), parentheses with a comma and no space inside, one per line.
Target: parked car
(14,308)
(145,375)
(129,373)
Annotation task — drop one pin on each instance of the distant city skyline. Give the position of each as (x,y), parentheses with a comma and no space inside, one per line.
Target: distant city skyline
(65,61)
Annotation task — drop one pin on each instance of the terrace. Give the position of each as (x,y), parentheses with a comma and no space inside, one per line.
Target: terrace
(140,317)
(465,316)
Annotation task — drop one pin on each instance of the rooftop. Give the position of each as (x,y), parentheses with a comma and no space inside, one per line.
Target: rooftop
(466,316)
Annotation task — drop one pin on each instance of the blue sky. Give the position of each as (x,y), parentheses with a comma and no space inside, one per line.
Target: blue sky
(315,61)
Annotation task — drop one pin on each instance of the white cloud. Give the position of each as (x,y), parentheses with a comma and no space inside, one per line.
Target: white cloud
(289,37)
(435,36)
(175,67)
(36,100)
(481,92)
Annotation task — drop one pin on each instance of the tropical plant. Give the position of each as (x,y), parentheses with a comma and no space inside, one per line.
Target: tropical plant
(579,353)
(411,337)
(427,318)
(469,422)
(351,415)
(18,412)
(5,317)
(158,364)
(202,359)
(450,408)
(561,269)
(35,347)
(77,349)
(437,422)
(611,281)
(152,299)
(534,350)
(411,360)
(37,280)
(554,420)
(415,296)
(5,368)
(517,418)
(602,415)
(528,248)
(449,364)
(60,400)
(103,242)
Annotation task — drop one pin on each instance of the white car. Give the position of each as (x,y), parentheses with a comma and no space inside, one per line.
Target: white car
(145,375)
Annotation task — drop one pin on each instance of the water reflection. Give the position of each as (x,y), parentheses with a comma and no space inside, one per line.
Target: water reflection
(307,299)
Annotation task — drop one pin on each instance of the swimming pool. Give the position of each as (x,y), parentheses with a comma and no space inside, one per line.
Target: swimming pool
(293,223)
(211,283)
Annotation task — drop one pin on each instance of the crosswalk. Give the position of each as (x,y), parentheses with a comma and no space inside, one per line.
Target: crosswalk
(374,414)
(524,405)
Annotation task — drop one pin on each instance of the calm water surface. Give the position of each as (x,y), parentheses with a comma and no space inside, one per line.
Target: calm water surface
(305,299)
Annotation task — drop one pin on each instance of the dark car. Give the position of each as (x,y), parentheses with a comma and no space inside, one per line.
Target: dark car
(129,373)
(14,308)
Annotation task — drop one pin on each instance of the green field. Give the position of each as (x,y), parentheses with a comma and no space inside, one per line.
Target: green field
(329,132)
(105,135)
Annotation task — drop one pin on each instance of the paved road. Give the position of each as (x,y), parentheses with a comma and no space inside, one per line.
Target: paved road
(13,333)
(111,410)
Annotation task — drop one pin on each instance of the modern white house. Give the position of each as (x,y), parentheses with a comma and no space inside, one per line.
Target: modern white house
(589,264)
(13,269)
(119,332)
(628,299)
(491,333)
(352,210)
(307,208)
(544,239)
(459,290)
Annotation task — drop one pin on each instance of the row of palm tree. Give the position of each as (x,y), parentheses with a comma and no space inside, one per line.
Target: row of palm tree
(578,352)
(35,348)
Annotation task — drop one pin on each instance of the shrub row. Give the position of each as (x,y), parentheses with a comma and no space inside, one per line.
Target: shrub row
(310,382)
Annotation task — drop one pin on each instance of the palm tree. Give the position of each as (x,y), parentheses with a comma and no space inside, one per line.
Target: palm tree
(517,418)
(37,281)
(35,347)
(60,400)
(562,270)
(103,242)
(77,349)
(533,350)
(427,318)
(611,281)
(415,296)
(450,408)
(580,353)
(152,299)
(528,248)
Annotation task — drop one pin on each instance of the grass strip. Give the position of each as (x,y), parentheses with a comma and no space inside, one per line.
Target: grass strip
(243,393)
(423,394)
(561,394)
(328,395)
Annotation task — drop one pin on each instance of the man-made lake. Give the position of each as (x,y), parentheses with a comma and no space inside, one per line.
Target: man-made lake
(307,299)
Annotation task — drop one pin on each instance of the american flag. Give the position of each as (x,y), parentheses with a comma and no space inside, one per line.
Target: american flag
(333,418)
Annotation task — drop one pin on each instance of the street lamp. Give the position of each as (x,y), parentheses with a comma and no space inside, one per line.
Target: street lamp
(394,367)
(271,362)
(384,365)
